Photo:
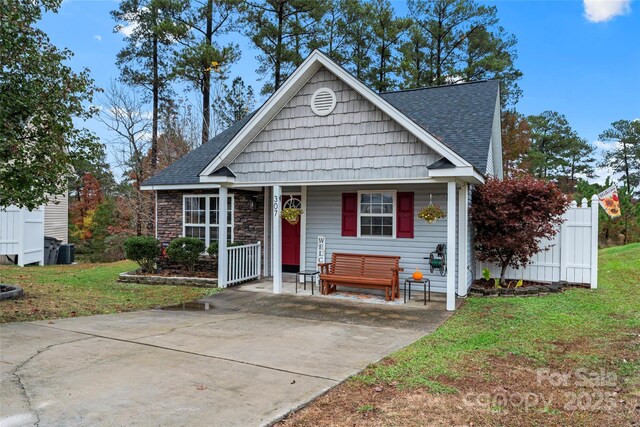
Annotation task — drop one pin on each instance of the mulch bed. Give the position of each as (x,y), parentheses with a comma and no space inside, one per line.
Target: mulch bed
(484,287)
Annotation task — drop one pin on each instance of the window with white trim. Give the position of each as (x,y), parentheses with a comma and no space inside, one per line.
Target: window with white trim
(376,214)
(201,217)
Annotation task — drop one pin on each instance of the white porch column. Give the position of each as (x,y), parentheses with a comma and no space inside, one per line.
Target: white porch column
(223,260)
(276,238)
(451,246)
(463,242)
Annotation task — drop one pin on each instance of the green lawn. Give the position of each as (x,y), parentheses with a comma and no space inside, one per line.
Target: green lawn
(83,289)
(496,348)
(533,328)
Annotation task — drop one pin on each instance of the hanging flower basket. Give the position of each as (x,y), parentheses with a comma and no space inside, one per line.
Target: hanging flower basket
(431,213)
(291,215)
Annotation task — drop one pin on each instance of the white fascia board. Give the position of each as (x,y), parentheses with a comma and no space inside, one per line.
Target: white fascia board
(466,174)
(296,81)
(477,179)
(217,179)
(496,138)
(179,187)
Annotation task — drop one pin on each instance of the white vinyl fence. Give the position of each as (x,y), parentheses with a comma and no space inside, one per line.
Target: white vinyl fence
(22,234)
(243,263)
(573,256)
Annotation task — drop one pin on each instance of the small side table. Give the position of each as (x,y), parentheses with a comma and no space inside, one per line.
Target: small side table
(410,281)
(307,273)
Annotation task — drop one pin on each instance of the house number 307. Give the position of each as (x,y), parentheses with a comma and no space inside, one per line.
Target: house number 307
(276,205)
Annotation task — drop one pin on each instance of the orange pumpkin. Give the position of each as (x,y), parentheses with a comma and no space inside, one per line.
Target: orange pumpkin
(417,275)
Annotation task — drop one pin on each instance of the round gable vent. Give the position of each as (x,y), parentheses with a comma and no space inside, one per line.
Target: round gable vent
(323,101)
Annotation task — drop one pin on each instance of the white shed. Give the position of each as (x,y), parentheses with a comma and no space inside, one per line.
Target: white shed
(22,234)
(22,231)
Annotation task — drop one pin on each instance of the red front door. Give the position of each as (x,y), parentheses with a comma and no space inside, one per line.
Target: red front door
(290,244)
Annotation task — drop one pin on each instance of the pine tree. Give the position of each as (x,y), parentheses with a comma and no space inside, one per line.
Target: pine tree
(151,33)
(624,156)
(458,40)
(387,29)
(202,57)
(283,31)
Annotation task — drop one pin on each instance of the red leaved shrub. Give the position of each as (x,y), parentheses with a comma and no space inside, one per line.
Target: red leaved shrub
(512,216)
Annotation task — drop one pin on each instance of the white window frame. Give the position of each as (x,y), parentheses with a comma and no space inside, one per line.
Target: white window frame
(393,214)
(207,223)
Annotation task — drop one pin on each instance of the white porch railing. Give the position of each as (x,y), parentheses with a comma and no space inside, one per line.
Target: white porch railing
(243,263)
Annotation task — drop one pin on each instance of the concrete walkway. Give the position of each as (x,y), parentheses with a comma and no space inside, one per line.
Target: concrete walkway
(248,360)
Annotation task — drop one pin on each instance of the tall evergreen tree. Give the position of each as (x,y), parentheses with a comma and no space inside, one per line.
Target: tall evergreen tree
(151,31)
(283,31)
(387,29)
(333,36)
(458,40)
(202,57)
(624,156)
(359,36)
(415,63)
(550,136)
(580,159)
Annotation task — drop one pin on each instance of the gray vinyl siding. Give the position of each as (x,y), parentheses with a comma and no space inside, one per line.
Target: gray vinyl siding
(56,218)
(324,218)
(357,141)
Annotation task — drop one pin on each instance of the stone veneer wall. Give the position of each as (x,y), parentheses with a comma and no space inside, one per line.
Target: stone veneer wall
(248,225)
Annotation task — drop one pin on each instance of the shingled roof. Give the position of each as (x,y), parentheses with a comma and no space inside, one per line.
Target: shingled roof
(186,170)
(459,115)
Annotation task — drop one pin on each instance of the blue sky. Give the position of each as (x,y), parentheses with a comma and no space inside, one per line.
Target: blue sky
(581,59)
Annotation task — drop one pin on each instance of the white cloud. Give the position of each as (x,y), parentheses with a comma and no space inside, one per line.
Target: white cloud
(128,29)
(605,10)
(98,37)
(605,145)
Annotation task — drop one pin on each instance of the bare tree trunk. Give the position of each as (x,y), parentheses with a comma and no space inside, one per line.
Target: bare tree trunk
(206,81)
(156,98)
(278,61)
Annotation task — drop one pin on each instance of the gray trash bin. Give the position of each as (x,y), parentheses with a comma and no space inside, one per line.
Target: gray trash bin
(51,248)
(64,255)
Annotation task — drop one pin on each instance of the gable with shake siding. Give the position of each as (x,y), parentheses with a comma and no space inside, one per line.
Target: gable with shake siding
(357,141)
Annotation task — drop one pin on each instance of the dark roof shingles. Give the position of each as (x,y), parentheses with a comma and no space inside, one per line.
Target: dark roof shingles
(460,116)
(186,170)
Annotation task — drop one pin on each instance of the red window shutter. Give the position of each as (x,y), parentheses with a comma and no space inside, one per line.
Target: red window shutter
(349,214)
(404,216)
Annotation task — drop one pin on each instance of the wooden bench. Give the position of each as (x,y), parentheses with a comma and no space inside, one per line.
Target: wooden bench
(362,271)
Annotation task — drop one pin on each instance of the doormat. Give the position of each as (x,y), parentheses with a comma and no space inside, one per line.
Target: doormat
(362,297)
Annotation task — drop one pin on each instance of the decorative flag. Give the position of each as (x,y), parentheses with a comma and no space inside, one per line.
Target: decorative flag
(610,202)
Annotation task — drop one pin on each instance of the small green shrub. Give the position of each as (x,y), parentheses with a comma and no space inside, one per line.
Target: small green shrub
(185,251)
(144,250)
(213,248)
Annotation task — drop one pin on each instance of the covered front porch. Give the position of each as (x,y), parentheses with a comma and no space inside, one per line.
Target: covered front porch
(379,229)
(436,301)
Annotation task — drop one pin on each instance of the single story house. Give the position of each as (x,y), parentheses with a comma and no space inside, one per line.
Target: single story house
(361,165)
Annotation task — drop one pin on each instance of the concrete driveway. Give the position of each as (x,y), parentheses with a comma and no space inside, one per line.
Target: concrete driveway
(247,361)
